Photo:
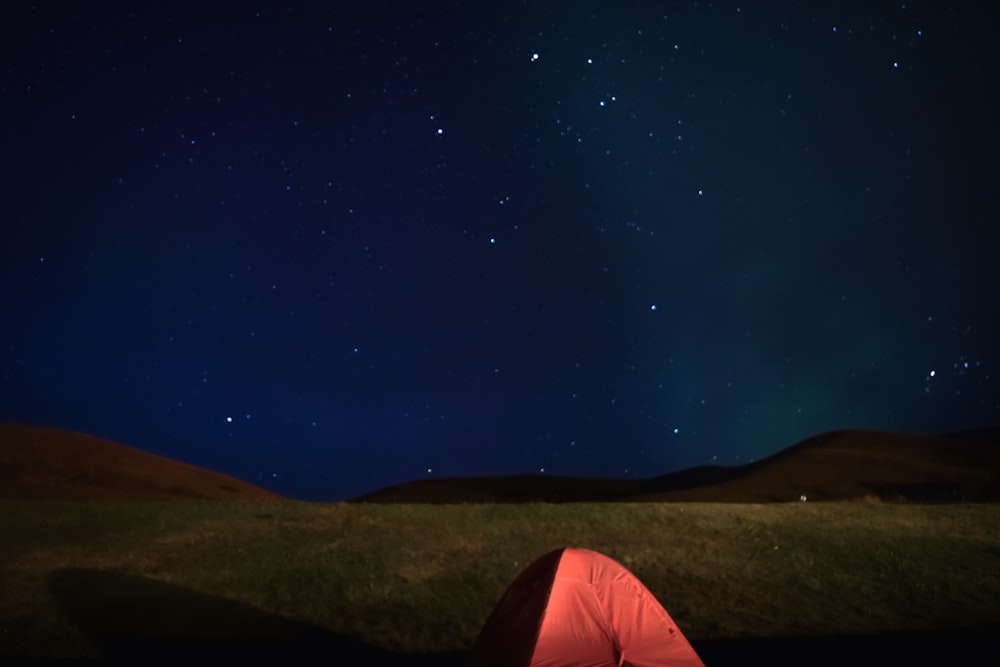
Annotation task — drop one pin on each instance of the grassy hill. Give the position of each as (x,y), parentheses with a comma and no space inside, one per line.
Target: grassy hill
(842,465)
(94,565)
(38,462)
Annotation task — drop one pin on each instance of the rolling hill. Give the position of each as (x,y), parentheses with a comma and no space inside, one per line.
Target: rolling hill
(38,462)
(839,465)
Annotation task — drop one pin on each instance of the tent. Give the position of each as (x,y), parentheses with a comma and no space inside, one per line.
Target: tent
(579,608)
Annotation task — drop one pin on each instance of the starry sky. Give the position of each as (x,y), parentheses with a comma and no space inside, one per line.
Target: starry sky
(328,248)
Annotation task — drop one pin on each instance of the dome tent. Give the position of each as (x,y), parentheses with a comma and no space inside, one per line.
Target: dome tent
(579,608)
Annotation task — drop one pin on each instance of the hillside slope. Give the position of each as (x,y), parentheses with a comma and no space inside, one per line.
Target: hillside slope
(840,465)
(38,462)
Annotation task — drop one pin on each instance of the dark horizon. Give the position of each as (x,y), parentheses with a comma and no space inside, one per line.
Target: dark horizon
(331,250)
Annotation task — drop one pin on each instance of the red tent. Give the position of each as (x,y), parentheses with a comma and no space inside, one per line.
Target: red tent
(579,608)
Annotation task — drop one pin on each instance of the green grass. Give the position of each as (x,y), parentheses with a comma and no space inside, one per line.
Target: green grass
(423,578)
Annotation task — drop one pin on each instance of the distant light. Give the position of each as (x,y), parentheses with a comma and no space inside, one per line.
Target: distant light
(534,57)
(701,192)
(676,431)
(229,420)
(932,373)
(653,308)
(492,241)
(440,131)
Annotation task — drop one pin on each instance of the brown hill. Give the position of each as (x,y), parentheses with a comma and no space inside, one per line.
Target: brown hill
(841,465)
(855,464)
(38,462)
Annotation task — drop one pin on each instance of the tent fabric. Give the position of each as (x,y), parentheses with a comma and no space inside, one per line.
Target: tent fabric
(579,608)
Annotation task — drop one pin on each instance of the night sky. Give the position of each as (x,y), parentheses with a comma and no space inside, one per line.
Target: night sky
(327,250)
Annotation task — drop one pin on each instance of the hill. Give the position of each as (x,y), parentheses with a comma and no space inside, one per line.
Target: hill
(38,462)
(839,465)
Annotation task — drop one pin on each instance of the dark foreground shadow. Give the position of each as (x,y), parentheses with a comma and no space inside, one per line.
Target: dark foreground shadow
(134,619)
(970,646)
(138,620)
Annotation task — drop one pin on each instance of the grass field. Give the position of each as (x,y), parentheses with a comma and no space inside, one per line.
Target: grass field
(93,578)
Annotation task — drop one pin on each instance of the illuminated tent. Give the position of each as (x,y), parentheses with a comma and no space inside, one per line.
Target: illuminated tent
(579,608)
